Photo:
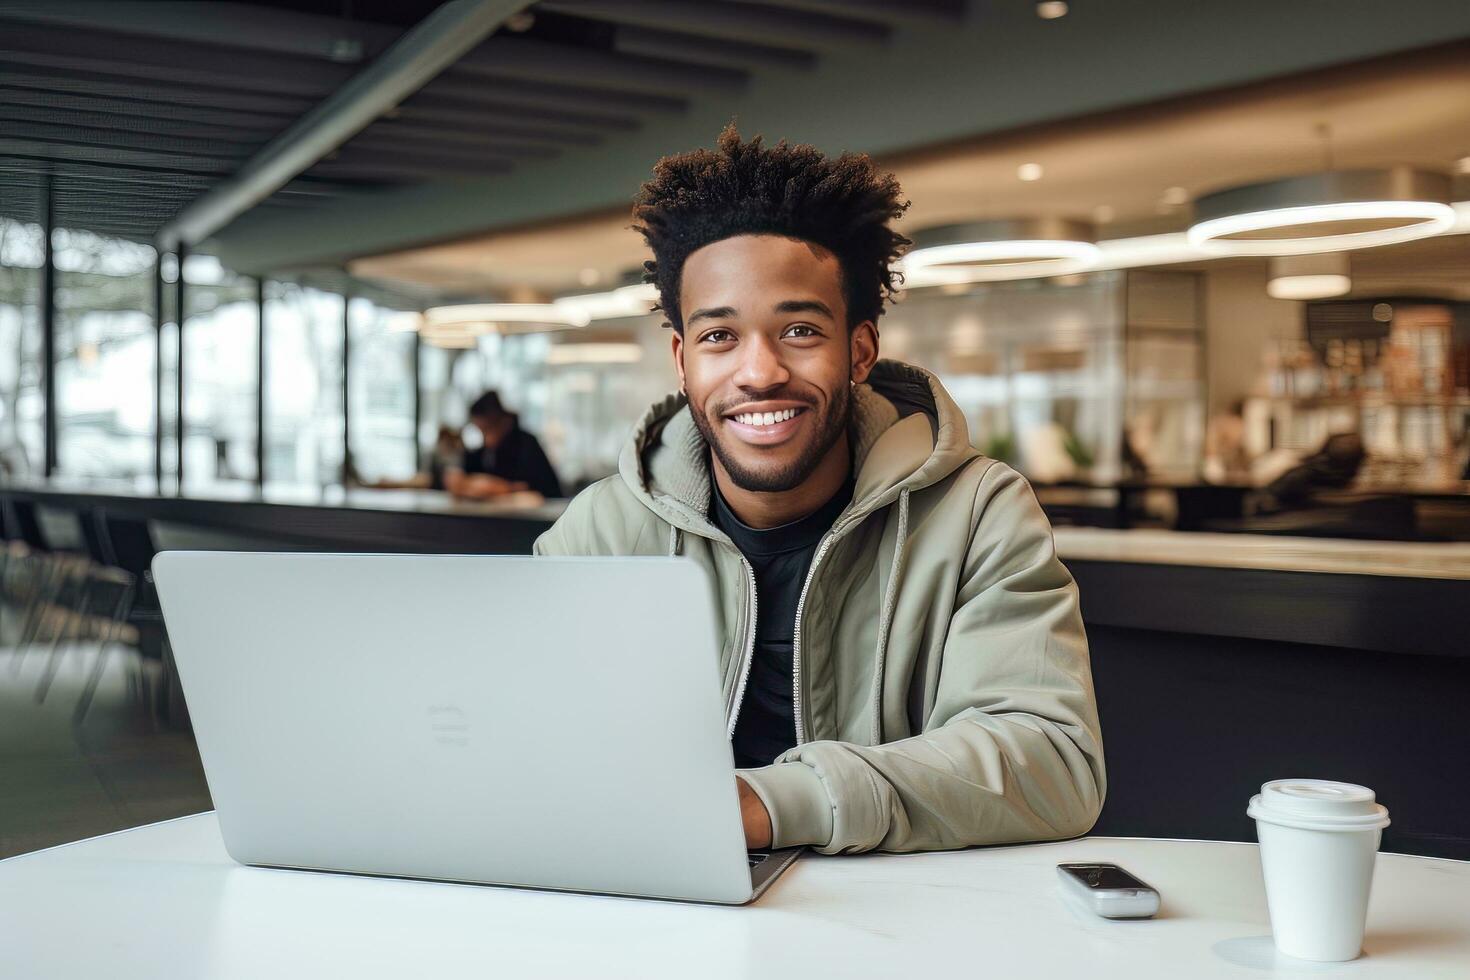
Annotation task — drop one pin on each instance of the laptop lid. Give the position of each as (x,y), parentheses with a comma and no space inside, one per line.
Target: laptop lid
(546,722)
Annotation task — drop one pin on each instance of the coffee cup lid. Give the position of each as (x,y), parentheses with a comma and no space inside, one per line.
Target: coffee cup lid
(1318,804)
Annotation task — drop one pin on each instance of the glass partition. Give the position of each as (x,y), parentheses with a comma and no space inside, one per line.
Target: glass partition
(381,391)
(220,335)
(303,385)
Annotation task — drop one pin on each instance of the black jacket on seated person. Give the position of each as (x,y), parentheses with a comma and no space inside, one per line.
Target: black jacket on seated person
(518,458)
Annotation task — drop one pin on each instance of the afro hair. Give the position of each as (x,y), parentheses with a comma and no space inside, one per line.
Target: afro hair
(842,204)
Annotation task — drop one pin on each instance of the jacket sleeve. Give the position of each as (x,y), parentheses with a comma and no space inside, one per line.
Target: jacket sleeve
(1011,750)
(594,523)
(575,530)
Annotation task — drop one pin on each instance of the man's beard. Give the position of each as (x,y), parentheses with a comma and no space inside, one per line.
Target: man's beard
(830,428)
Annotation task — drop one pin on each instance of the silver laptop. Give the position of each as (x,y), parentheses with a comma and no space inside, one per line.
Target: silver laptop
(541,722)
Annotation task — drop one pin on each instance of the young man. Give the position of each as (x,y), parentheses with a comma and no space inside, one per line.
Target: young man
(509,459)
(904,662)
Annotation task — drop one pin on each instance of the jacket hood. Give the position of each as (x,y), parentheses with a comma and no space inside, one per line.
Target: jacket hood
(907,433)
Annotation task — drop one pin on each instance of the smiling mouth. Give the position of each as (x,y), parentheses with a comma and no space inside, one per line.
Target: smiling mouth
(763,419)
(765,428)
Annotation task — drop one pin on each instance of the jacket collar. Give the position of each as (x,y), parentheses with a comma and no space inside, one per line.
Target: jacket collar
(907,434)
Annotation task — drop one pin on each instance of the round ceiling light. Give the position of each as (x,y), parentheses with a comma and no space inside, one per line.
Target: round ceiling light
(1309,276)
(993,251)
(1324,212)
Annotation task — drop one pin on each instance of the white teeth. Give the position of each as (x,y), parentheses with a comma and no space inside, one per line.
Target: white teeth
(765,418)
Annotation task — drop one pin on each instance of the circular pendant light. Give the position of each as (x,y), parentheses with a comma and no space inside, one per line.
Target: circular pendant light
(1309,276)
(1324,212)
(993,251)
(503,318)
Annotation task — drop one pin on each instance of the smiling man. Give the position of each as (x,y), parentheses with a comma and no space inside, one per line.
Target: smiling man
(904,662)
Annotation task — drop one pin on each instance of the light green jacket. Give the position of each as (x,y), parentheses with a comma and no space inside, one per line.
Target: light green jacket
(942,689)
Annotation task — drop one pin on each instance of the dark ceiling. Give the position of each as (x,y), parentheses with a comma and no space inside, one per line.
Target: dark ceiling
(132,110)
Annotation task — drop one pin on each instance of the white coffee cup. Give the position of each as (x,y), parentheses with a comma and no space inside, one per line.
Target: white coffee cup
(1319,840)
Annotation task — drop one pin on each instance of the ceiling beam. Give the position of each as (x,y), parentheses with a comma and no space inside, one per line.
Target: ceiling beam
(66,49)
(435,43)
(529,59)
(163,163)
(232,25)
(548,95)
(918,12)
(530,135)
(159,125)
(89,83)
(709,51)
(125,110)
(377,137)
(799,29)
(124,140)
(107,171)
(380,169)
(453,116)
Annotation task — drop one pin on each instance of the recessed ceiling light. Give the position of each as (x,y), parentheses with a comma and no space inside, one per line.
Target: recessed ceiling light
(1029,171)
(588,277)
(1051,9)
(1324,212)
(1102,214)
(1175,196)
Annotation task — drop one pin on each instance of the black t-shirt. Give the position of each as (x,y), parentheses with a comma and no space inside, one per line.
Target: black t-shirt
(518,457)
(781,557)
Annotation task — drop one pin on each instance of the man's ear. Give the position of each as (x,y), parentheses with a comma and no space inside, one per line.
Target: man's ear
(863,348)
(679,357)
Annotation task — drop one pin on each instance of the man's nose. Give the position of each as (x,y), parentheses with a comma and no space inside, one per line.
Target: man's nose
(761,367)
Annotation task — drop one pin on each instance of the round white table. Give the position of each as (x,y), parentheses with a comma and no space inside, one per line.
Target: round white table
(166,901)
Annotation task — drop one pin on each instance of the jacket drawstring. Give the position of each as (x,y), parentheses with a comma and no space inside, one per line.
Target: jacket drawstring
(676,542)
(885,619)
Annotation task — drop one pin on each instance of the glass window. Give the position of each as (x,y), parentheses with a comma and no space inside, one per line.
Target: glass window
(220,335)
(104,355)
(381,392)
(22,404)
(303,385)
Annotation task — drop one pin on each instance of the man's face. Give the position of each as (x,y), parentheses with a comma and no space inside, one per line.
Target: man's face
(766,356)
(492,430)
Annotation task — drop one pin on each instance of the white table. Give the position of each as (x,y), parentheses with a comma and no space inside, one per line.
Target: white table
(166,901)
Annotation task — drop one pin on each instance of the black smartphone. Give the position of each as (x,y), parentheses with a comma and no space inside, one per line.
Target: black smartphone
(1109,891)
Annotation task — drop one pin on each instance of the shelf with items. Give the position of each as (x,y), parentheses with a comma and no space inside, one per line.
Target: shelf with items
(1396,373)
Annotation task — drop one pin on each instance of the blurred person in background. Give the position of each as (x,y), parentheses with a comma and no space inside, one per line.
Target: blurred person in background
(509,459)
(903,655)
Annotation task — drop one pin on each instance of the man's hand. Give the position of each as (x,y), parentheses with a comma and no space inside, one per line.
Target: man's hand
(753,814)
(481,486)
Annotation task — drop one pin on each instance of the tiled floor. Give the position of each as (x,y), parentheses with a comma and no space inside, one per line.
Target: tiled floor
(59,783)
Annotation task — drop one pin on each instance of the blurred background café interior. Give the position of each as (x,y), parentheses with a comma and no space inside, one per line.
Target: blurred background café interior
(1200,271)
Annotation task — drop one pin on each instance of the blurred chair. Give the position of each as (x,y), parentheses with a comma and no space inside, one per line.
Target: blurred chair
(127,544)
(92,604)
(48,576)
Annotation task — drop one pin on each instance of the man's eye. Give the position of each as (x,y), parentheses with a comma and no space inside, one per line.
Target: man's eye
(802,330)
(717,337)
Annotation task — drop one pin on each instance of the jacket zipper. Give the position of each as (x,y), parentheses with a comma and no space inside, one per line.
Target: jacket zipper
(749,650)
(796,631)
